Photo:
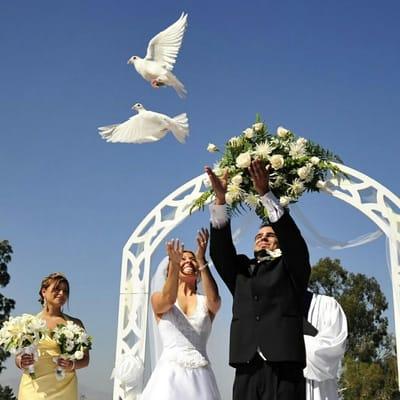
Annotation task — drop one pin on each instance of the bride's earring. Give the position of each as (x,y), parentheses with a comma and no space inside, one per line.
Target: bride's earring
(45,304)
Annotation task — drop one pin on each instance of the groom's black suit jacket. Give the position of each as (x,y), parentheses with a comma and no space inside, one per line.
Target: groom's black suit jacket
(268,302)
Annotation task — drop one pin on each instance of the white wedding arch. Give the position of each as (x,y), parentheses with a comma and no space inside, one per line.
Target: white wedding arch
(368,196)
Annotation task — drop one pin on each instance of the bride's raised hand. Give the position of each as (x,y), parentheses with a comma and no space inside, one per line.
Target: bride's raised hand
(175,252)
(202,241)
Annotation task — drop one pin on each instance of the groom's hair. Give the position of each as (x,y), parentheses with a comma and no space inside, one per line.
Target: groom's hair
(265,224)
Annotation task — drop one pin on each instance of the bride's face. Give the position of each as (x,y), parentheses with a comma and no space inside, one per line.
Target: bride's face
(188,266)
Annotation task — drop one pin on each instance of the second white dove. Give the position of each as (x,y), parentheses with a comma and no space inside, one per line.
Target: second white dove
(146,126)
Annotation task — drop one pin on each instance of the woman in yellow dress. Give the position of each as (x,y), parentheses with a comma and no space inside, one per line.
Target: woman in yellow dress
(54,293)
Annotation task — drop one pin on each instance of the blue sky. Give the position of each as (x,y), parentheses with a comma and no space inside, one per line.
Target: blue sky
(326,70)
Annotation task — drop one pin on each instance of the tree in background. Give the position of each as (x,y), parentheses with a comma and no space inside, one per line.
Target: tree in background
(6,305)
(369,366)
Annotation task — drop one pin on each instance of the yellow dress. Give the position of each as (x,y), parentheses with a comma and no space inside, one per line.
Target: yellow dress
(45,384)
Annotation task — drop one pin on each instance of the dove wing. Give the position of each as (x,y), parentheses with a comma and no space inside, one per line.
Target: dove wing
(135,130)
(164,47)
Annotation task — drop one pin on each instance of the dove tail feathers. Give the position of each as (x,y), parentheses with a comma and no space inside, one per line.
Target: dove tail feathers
(176,84)
(180,127)
(106,132)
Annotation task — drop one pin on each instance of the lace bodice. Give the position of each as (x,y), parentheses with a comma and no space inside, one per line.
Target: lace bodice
(184,338)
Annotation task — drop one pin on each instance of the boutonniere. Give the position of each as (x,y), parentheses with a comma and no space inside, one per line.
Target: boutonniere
(270,255)
(274,253)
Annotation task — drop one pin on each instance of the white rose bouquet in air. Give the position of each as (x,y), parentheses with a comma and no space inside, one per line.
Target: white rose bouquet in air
(296,165)
(73,342)
(21,335)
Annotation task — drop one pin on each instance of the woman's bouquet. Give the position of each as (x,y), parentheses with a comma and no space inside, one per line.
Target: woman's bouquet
(296,165)
(73,342)
(21,335)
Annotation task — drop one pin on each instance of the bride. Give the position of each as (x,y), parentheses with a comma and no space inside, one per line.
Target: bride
(184,320)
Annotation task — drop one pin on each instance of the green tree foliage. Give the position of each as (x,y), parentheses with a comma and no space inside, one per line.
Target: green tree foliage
(369,367)
(6,393)
(6,305)
(363,302)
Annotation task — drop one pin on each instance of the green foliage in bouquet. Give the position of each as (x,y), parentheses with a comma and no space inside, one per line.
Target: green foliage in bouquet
(297,165)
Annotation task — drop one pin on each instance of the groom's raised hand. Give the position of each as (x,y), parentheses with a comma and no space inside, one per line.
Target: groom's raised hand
(259,174)
(219,185)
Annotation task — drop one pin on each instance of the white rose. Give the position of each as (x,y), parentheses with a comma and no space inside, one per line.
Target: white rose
(69,345)
(237,179)
(218,171)
(229,198)
(243,160)
(84,337)
(68,334)
(37,324)
(78,355)
(301,141)
(321,184)
(276,161)
(284,201)
(275,253)
(248,133)
(314,160)
(212,148)
(305,173)
(282,132)
(234,141)
(258,126)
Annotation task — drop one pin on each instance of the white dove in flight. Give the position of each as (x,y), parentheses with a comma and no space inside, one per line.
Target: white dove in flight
(161,55)
(146,126)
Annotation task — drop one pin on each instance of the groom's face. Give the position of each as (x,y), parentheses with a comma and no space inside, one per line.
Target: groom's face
(266,239)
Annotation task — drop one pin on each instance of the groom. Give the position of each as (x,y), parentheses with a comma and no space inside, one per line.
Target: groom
(266,339)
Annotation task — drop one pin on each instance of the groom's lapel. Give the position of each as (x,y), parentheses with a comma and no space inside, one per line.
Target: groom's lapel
(254,266)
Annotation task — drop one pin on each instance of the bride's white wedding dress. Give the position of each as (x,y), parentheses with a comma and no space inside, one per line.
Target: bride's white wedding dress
(183,370)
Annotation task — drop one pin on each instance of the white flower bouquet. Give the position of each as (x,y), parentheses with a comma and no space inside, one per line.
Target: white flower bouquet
(73,341)
(21,335)
(296,165)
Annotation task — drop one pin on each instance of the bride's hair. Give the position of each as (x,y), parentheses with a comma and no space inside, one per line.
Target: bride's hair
(58,278)
(191,252)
